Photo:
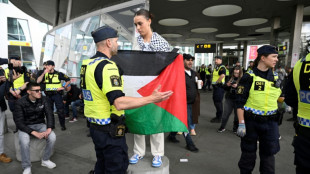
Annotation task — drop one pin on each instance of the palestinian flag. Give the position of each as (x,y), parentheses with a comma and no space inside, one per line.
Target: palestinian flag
(142,73)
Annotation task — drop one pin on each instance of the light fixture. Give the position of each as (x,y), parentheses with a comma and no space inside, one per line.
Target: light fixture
(173,22)
(204,30)
(250,22)
(221,10)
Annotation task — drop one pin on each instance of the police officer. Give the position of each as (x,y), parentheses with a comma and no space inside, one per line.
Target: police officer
(51,79)
(104,100)
(298,95)
(218,81)
(17,89)
(250,66)
(208,77)
(256,100)
(203,72)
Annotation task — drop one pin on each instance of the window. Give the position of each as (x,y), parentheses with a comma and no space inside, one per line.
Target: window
(18,30)
(4,1)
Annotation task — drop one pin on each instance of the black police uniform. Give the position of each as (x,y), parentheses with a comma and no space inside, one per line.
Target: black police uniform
(218,95)
(258,128)
(56,96)
(301,141)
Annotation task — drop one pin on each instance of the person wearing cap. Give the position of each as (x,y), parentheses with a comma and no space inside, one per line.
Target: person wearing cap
(51,79)
(148,41)
(297,95)
(17,89)
(256,99)
(218,81)
(102,87)
(192,93)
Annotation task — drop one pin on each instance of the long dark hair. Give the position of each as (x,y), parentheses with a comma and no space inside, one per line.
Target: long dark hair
(145,13)
(240,74)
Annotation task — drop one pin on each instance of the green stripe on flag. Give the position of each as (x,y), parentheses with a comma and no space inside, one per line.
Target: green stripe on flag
(152,119)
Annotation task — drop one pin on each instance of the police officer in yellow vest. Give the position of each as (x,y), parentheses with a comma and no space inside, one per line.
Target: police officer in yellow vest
(227,75)
(203,72)
(208,77)
(54,89)
(102,85)
(218,81)
(257,95)
(17,89)
(298,95)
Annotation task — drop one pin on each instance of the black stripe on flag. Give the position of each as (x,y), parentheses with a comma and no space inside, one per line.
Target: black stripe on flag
(142,63)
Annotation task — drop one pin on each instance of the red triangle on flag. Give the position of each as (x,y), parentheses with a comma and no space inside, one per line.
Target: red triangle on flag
(171,78)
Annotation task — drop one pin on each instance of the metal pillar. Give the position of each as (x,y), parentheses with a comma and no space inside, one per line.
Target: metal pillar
(245,52)
(69,10)
(294,47)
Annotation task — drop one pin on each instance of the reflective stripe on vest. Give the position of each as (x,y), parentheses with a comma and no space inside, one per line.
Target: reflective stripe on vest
(52,82)
(263,96)
(216,75)
(19,82)
(97,107)
(301,76)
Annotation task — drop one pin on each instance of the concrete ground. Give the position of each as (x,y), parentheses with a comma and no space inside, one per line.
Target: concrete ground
(218,152)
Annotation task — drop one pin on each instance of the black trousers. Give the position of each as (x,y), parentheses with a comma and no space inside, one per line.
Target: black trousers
(57,99)
(268,135)
(111,153)
(218,95)
(301,145)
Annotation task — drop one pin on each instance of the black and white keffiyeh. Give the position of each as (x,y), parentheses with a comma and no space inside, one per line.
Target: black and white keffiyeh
(157,43)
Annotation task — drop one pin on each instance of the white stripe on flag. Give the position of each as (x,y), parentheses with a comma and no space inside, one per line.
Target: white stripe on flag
(133,83)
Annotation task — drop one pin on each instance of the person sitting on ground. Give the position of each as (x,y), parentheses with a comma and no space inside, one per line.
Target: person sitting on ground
(29,117)
(73,97)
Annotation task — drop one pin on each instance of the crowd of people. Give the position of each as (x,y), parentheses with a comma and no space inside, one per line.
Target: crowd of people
(258,96)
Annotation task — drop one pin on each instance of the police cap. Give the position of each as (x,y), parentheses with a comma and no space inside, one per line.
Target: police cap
(50,62)
(267,49)
(103,33)
(218,57)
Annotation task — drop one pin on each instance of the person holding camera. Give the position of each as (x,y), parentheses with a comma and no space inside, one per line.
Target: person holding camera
(258,116)
(54,89)
(218,81)
(230,96)
(17,88)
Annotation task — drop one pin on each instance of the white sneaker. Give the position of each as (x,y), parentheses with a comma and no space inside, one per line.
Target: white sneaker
(27,170)
(49,164)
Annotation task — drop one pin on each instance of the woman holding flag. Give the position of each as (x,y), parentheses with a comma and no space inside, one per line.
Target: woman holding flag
(148,41)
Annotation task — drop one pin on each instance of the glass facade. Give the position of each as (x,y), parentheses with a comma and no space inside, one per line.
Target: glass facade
(20,41)
(4,1)
(69,45)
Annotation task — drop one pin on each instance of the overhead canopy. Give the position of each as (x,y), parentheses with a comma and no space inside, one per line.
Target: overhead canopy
(185,22)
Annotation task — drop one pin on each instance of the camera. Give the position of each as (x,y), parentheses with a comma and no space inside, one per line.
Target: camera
(2,73)
(18,70)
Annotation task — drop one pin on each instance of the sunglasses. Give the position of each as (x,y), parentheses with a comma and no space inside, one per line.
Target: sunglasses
(37,90)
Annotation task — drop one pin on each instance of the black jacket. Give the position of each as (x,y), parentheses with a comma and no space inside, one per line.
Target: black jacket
(2,93)
(191,87)
(27,113)
(73,94)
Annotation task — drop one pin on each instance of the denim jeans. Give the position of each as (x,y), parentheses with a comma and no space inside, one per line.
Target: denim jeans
(2,120)
(190,117)
(74,106)
(24,142)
